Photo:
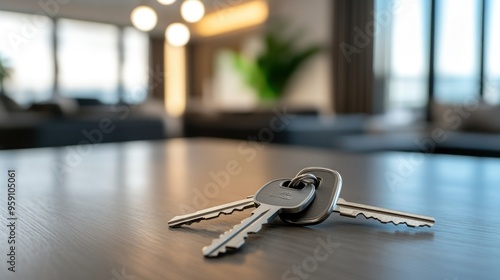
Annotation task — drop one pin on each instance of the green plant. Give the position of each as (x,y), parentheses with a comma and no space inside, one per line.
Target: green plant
(273,68)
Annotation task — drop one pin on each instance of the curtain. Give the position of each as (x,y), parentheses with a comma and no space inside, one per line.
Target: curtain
(353,35)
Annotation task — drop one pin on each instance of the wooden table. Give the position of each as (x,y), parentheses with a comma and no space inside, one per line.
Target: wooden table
(101,212)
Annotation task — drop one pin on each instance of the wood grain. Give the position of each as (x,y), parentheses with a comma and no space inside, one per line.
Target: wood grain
(106,214)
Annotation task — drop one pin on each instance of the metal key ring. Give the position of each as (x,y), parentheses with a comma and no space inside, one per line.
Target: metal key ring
(307,178)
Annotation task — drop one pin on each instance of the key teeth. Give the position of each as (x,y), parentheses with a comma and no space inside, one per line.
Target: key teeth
(225,212)
(223,249)
(384,221)
(241,208)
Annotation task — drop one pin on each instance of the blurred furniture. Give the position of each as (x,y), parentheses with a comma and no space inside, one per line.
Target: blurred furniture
(351,133)
(106,218)
(242,125)
(49,125)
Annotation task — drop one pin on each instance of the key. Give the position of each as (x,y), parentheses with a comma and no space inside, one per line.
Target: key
(272,198)
(212,213)
(327,201)
(351,209)
(228,208)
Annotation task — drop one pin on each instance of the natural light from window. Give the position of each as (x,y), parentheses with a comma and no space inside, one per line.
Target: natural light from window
(88,60)
(457,50)
(28,55)
(405,48)
(135,66)
(492,82)
(408,57)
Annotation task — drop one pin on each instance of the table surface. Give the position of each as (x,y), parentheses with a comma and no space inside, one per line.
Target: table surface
(101,212)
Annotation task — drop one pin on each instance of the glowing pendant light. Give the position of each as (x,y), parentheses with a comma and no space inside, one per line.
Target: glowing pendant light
(144,18)
(177,34)
(192,10)
(166,2)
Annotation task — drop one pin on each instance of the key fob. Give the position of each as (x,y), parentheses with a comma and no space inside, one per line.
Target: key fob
(327,194)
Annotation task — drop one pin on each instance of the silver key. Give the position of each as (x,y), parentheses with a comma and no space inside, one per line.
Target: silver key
(327,200)
(345,208)
(272,198)
(351,209)
(212,213)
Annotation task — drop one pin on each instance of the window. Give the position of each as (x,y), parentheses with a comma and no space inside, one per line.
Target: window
(135,71)
(458,30)
(492,61)
(400,52)
(26,49)
(461,70)
(88,59)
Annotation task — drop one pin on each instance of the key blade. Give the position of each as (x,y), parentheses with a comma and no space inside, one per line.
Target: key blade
(235,238)
(211,213)
(383,215)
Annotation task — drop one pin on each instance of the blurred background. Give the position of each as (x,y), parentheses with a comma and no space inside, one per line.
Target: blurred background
(350,75)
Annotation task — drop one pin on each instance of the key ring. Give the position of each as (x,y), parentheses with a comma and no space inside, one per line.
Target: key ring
(307,178)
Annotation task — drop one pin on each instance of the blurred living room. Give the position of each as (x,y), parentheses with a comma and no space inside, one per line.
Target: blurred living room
(357,76)
(120,118)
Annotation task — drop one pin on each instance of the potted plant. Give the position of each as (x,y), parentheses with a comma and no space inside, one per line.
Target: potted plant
(270,72)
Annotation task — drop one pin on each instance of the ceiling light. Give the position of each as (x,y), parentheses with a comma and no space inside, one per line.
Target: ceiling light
(144,18)
(192,10)
(177,34)
(166,2)
(233,18)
